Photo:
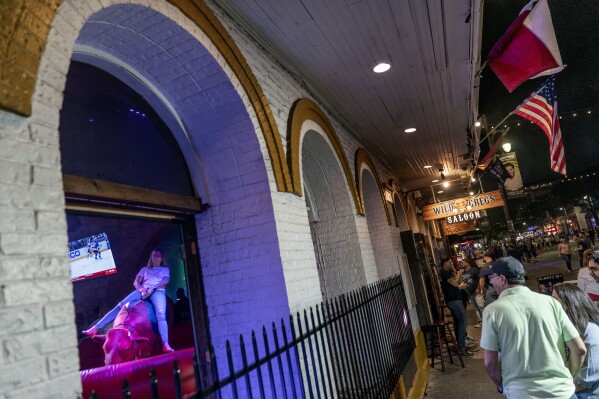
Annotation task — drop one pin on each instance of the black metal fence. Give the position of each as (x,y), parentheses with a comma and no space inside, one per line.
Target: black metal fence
(354,346)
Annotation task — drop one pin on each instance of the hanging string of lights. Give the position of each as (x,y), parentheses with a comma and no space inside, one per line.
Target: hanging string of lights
(564,180)
(574,114)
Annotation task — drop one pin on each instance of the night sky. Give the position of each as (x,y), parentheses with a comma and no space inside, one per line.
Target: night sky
(576,26)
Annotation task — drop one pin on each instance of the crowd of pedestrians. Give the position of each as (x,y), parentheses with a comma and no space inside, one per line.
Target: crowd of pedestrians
(534,345)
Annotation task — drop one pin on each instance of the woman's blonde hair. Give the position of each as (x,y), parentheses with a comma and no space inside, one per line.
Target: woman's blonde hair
(162,261)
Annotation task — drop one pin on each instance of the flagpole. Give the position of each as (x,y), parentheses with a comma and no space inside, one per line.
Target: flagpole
(498,124)
(534,93)
(480,70)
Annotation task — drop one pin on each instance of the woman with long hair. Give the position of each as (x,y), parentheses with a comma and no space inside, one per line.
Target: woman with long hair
(149,284)
(586,281)
(585,316)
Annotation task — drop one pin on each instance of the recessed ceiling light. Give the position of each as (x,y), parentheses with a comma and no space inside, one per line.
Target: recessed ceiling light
(446,184)
(427,166)
(477,124)
(410,130)
(440,192)
(436,181)
(382,67)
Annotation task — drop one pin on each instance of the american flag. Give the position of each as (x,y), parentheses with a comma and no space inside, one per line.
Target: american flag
(541,109)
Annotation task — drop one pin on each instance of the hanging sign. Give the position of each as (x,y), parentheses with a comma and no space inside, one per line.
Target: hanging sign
(547,282)
(450,227)
(462,209)
(513,184)
(457,228)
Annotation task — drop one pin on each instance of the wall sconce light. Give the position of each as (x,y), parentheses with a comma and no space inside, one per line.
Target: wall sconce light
(388,195)
(507,147)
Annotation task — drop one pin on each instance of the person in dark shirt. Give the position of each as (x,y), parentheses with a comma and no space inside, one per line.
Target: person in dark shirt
(451,284)
(514,252)
(182,311)
(470,276)
(484,285)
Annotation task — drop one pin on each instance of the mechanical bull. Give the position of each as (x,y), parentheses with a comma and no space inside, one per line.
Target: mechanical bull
(133,335)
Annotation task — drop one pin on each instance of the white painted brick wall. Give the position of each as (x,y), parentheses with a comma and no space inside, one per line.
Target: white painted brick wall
(38,345)
(37,330)
(38,339)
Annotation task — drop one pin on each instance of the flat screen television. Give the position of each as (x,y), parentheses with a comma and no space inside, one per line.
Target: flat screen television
(91,257)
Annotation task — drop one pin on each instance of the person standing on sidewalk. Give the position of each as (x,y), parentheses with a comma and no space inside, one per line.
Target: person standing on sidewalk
(565,252)
(484,285)
(585,316)
(583,244)
(451,284)
(470,276)
(586,281)
(531,331)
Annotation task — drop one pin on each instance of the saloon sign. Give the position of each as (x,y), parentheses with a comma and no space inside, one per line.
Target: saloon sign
(462,209)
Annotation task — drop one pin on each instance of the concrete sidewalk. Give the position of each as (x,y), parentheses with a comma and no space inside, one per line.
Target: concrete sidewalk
(472,381)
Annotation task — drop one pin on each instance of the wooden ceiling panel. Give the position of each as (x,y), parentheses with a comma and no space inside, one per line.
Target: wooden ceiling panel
(333,45)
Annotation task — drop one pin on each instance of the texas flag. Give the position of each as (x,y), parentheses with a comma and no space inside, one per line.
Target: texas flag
(528,49)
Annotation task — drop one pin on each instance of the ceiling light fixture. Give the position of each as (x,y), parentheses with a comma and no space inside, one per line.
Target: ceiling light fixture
(436,181)
(410,130)
(473,179)
(440,192)
(427,166)
(477,124)
(507,147)
(382,67)
(446,184)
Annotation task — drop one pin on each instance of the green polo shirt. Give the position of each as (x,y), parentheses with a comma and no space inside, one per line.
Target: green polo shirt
(529,330)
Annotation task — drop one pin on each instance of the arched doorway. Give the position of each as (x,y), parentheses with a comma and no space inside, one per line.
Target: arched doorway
(332,223)
(378,227)
(192,90)
(126,182)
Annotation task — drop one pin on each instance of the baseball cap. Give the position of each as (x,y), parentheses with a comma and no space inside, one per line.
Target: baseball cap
(509,267)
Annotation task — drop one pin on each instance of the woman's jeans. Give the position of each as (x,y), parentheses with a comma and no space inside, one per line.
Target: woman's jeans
(158,299)
(568,259)
(459,321)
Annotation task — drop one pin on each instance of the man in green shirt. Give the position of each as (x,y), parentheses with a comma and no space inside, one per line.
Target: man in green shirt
(531,332)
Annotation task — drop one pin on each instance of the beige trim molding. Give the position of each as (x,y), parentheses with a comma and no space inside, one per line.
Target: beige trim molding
(362,157)
(202,15)
(402,200)
(301,111)
(77,187)
(418,384)
(418,389)
(25,27)
(22,54)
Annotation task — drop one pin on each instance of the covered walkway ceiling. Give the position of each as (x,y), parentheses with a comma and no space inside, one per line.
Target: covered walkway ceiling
(333,46)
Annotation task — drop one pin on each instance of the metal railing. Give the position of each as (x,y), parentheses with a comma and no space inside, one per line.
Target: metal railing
(354,346)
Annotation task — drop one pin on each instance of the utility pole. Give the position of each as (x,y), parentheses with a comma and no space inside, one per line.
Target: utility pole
(506,211)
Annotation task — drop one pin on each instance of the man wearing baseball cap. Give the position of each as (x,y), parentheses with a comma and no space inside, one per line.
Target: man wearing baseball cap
(529,330)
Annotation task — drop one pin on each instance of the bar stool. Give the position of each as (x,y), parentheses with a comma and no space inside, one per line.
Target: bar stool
(441,342)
